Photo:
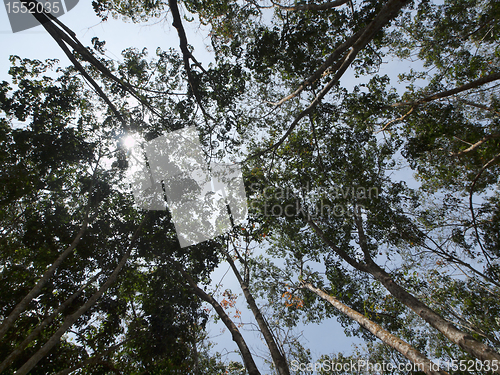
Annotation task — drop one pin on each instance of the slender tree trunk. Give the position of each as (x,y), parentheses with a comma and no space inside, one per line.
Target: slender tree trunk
(35,291)
(70,320)
(237,337)
(420,360)
(278,358)
(477,349)
(39,328)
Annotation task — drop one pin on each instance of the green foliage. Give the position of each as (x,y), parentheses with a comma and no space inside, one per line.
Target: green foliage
(52,182)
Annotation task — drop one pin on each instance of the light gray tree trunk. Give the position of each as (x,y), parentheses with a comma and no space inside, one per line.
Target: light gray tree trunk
(420,360)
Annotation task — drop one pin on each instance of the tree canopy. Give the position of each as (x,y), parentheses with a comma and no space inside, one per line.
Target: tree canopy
(372,200)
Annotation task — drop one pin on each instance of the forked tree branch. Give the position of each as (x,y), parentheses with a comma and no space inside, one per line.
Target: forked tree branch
(389,123)
(334,56)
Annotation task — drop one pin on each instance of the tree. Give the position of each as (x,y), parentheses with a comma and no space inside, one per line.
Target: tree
(77,258)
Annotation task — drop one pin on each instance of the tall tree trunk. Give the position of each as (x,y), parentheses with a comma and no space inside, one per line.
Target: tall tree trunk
(39,328)
(420,360)
(465,341)
(237,337)
(278,358)
(35,291)
(476,348)
(70,320)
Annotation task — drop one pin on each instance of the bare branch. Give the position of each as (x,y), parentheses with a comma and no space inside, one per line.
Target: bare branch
(443,94)
(477,144)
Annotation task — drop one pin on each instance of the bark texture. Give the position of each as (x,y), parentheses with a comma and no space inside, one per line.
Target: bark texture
(420,360)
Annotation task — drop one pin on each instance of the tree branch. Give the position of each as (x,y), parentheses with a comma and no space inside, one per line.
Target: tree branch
(471,205)
(335,248)
(35,291)
(63,34)
(477,105)
(395,120)
(186,54)
(476,145)
(388,12)
(443,94)
(237,337)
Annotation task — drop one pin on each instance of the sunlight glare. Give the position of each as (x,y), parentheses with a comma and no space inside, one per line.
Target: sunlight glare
(129,141)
